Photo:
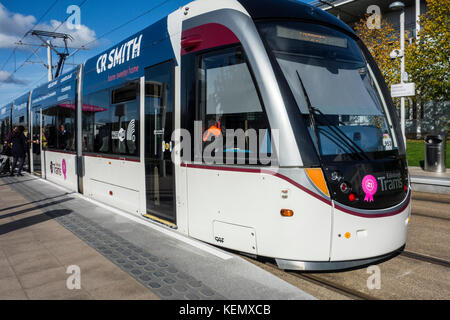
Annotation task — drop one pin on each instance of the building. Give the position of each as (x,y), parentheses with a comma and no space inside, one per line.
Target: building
(352,11)
(418,122)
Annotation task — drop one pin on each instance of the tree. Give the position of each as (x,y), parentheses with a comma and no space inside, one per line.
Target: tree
(428,61)
(380,42)
(428,57)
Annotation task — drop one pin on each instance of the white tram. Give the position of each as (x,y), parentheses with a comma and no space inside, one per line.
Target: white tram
(259,126)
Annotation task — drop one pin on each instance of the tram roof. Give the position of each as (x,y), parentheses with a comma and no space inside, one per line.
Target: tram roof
(5,111)
(61,89)
(21,103)
(290,9)
(258,10)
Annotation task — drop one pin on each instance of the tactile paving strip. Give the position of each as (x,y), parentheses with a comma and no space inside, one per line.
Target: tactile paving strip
(153,272)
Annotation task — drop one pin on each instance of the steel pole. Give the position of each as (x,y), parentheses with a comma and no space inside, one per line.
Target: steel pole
(417,18)
(49,61)
(402,71)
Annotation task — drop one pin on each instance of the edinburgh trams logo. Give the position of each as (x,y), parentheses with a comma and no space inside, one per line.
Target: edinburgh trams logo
(59,169)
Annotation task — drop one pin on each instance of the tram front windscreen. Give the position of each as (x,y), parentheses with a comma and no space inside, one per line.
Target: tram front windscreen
(334,88)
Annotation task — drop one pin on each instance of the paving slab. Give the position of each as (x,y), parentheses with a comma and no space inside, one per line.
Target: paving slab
(35,252)
(115,251)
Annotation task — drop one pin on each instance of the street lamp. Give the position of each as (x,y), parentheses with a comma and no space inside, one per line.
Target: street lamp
(400,6)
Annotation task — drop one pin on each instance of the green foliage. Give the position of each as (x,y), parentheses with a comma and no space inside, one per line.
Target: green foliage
(428,57)
(380,42)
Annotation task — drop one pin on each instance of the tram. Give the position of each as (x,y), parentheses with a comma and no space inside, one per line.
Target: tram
(263,127)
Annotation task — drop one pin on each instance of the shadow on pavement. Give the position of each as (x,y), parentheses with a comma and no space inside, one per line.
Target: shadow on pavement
(12,214)
(25,204)
(15,182)
(30,221)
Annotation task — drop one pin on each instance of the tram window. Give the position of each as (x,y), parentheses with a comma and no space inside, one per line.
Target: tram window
(5,128)
(326,70)
(111,121)
(228,100)
(59,126)
(153,90)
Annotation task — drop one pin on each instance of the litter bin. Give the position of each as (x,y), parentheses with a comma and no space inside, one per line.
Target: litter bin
(435,153)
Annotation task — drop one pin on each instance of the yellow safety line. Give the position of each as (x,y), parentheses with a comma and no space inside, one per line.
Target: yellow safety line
(170,224)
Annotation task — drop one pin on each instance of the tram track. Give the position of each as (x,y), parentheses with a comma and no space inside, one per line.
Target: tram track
(337,287)
(430,216)
(333,286)
(314,279)
(424,258)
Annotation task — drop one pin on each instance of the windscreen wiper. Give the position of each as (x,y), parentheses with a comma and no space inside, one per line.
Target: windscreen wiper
(311,114)
(355,149)
(341,134)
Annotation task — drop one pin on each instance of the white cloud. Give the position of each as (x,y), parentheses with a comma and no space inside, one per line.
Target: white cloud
(6,77)
(13,27)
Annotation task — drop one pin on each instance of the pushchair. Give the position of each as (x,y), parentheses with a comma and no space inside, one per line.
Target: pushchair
(5,165)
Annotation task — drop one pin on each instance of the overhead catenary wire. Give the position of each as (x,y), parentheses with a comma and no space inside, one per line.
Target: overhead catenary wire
(34,51)
(23,37)
(103,35)
(127,22)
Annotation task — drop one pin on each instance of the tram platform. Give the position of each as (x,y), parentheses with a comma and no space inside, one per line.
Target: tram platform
(47,232)
(431,182)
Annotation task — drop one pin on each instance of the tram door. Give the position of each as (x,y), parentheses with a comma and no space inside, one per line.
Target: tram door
(159,123)
(36,131)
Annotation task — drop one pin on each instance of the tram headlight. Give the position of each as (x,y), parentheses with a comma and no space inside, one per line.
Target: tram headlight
(345,187)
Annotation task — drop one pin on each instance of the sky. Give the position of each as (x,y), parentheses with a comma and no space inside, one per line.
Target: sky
(103,23)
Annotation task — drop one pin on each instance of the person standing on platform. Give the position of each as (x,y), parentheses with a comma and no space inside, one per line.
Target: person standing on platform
(19,147)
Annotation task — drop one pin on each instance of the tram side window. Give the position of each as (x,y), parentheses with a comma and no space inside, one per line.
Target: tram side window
(59,126)
(231,110)
(111,121)
(5,128)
